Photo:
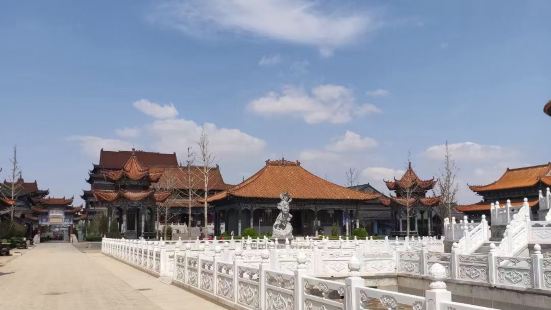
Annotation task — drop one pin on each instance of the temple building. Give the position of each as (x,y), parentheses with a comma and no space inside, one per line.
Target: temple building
(317,204)
(121,187)
(26,195)
(187,187)
(55,218)
(514,185)
(411,192)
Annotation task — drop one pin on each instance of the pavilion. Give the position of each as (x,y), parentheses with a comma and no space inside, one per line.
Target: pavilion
(317,204)
(411,192)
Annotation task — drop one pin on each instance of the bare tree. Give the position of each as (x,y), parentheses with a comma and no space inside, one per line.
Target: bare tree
(352,177)
(447,186)
(170,181)
(13,188)
(207,161)
(410,199)
(190,183)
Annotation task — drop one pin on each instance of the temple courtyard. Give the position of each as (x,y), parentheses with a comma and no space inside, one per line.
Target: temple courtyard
(59,276)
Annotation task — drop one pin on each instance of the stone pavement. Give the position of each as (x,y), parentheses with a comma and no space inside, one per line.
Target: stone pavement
(57,276)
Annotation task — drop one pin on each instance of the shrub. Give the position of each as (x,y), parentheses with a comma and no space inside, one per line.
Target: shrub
(10,229)
(335,230)
(361,233)
(103,225)
(250,232)
(114,229)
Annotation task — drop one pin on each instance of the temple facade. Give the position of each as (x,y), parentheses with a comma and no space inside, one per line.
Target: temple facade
(317,204)
(121,187)
(514,185)
(410,192)
(55,218)
(187,187)
(25,196)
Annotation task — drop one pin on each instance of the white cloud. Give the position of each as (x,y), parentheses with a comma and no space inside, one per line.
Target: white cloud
(469,151)
(269,60)
(228,145)
(325,103)
(377,175)
(296,21)
(380,174)
(156,110)
(91,145)
(318,155)
(128,132)
(351,141)
(378,93)
(175,135)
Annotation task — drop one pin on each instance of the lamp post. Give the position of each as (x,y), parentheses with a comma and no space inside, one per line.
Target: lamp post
(259,221)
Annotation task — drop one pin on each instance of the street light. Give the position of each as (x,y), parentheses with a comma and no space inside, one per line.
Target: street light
(547,108)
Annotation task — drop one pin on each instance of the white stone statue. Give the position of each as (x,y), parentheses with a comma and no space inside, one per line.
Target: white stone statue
(282,228)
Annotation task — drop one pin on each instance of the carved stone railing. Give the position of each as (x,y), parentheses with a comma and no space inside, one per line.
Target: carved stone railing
(240,286)
(323,294)
(516,236)
(474,237)
(455,230)
(473,268)
(280,290)
(370,298)
(515,271)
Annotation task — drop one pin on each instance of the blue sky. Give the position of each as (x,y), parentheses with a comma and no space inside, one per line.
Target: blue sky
(334,84)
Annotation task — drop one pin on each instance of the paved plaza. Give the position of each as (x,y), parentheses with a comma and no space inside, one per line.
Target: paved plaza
(58,276)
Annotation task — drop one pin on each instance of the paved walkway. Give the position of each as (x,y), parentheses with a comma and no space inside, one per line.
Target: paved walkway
(57,276)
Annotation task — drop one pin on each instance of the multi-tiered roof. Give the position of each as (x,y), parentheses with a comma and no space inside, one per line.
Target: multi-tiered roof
(411,190)
(132,181)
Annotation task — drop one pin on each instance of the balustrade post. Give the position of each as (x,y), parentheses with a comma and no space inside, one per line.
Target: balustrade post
(454,261)
(437,292)
(236,260)
(299,285)
(485,227)
(155,250)
(423,259)
(537,267)
(215,259)
(352,282)
(492,266)
(265,256)
(186,259)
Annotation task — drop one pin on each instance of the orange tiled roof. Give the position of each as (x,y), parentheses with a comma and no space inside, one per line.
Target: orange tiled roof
(424,201)
(180,178)
(134,170)
(485,206)
(279,176)
(53,201)
(409,180)
(518,178)
(110,196)
(116,160)
(7,201)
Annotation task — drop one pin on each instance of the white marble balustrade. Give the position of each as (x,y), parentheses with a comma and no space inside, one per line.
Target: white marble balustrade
(242,285)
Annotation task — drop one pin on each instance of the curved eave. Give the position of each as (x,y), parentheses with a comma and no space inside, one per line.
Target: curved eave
(547,108)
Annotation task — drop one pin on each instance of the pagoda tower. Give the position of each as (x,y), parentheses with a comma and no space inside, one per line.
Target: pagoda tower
(410,192)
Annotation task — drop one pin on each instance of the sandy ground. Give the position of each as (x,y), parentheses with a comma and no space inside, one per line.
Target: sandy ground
(58,276)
